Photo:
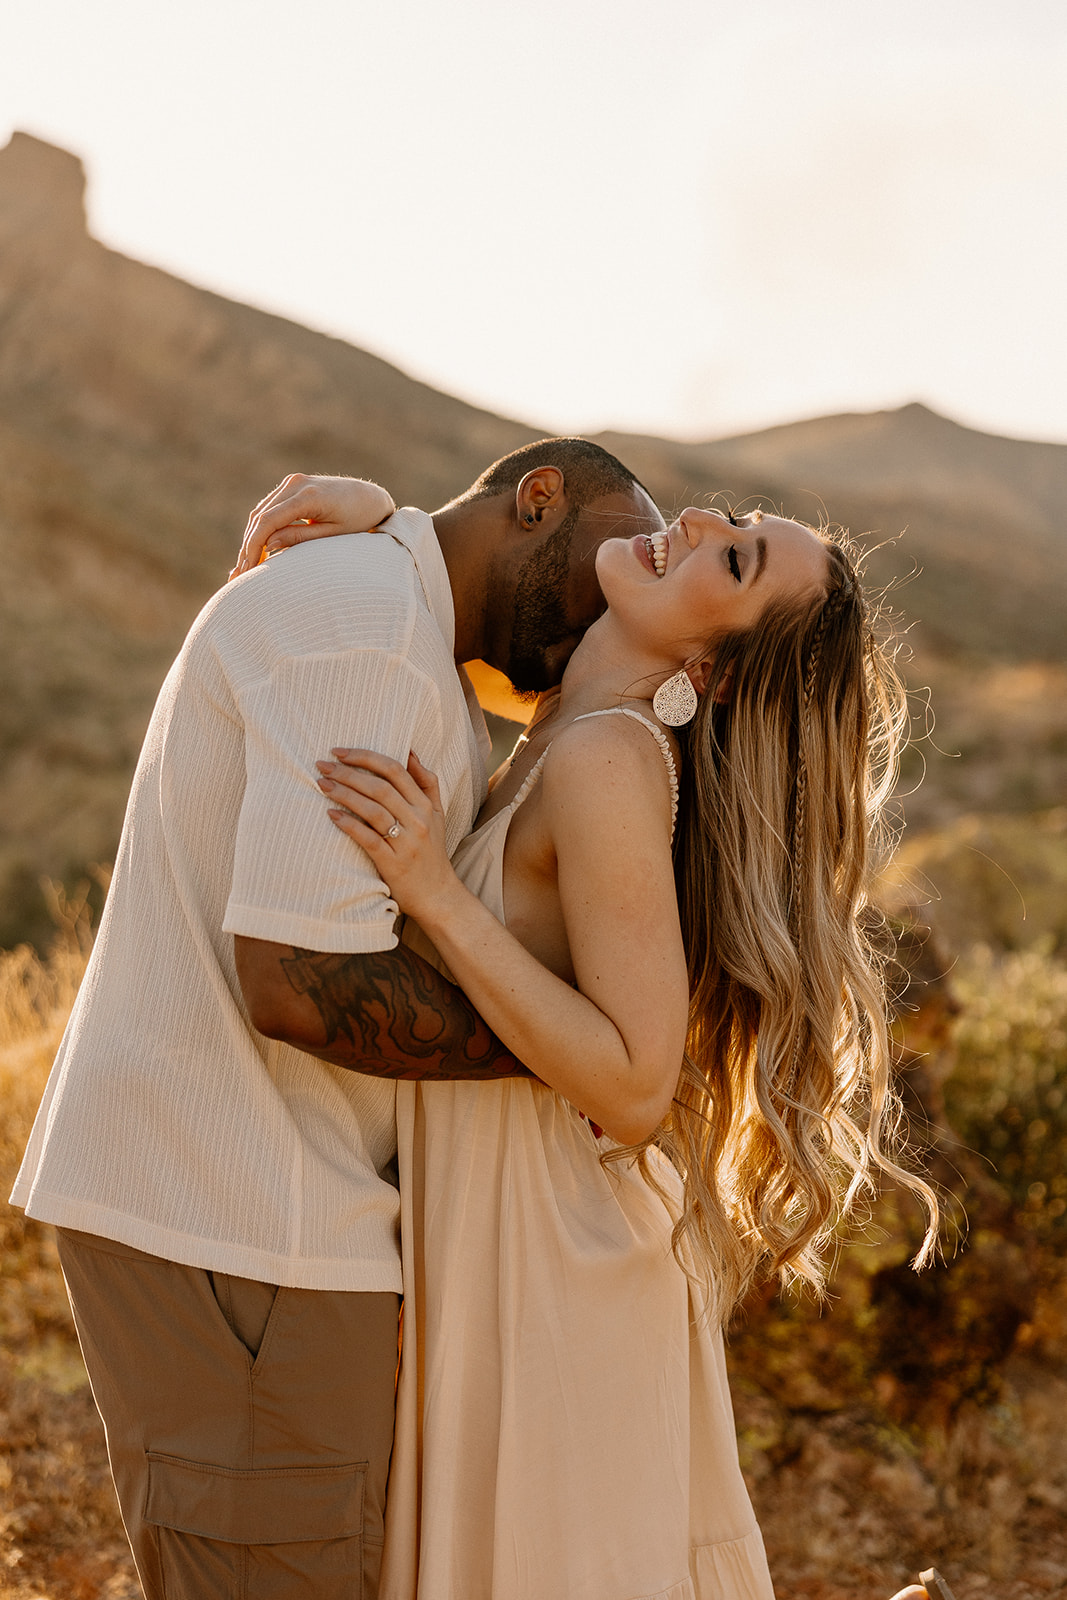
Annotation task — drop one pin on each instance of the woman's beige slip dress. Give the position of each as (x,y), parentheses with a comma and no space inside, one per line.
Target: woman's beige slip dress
(564,1428)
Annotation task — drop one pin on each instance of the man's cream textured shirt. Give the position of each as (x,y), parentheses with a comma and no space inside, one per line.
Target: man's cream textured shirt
(168,1123)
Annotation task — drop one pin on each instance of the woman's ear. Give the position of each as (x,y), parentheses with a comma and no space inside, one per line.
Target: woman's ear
(700,676)
(725,687)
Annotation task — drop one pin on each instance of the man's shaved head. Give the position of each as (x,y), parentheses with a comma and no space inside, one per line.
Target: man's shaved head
(589,471)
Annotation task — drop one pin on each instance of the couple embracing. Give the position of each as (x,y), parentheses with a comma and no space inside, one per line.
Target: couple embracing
(629,1044)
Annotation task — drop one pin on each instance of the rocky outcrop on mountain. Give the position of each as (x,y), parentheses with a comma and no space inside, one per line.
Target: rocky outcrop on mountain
(141,417)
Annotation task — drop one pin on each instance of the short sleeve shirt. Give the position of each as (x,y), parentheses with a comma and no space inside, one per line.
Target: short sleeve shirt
(168,1123)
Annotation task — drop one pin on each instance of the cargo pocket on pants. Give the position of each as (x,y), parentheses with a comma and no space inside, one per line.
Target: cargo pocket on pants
(273,1529)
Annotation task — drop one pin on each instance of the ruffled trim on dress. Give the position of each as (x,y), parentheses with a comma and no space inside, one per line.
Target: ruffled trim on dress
(677,1591)
(735,1569)
(732,1569)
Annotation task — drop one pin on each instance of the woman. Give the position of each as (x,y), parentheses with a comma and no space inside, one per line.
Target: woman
(563,1425)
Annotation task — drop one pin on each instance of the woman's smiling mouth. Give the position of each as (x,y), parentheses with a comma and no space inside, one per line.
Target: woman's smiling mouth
(654,548)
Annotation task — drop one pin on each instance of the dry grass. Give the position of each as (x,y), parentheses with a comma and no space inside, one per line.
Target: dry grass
(854,1503)
(914,1422)
(60,1533)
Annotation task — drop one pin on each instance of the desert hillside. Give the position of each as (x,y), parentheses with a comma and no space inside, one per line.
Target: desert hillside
(917,1419)
(140,417)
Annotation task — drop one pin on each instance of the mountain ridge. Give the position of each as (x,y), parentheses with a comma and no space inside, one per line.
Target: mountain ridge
(141,417)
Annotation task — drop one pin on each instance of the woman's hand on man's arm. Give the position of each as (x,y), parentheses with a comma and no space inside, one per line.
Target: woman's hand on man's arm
(304,507)
(395,814)
(614,1046)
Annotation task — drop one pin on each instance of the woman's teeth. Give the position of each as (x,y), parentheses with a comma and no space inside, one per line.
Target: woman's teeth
(657,550)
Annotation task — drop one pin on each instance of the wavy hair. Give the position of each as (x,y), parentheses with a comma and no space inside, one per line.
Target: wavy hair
(785,1111)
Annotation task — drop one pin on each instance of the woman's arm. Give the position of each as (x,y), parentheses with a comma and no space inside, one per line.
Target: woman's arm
(614,1046)
(303,507)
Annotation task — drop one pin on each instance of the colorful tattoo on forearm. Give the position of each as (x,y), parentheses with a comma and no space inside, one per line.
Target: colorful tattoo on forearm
(391,1014)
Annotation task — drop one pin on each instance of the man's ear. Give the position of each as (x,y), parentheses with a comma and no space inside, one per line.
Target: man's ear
(700,676)
(541,490)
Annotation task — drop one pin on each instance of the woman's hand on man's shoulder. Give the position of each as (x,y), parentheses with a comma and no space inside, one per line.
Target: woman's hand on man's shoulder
(310,507)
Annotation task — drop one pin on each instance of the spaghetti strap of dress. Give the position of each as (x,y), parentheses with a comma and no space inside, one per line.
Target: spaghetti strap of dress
(608,711)
(657,734)
(527,783)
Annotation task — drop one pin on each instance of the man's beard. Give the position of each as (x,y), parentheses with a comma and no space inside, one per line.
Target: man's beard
(540,623)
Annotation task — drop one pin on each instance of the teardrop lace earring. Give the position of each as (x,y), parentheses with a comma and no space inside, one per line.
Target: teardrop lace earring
(675,702)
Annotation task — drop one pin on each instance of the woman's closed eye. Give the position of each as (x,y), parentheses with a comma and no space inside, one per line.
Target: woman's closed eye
(735,566)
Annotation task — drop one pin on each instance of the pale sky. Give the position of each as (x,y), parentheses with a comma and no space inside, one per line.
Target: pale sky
(676,216)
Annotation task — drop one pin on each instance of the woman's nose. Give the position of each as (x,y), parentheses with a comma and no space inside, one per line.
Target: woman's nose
(697,522)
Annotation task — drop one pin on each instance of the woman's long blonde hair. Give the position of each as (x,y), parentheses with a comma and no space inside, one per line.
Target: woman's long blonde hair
(785,1110)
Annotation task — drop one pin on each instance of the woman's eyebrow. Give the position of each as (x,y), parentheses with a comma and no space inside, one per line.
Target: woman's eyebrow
(761,559)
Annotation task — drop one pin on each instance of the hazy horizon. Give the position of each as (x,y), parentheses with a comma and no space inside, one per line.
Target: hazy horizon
(727,221)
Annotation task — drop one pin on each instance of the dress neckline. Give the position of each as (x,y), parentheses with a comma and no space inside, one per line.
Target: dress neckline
(531,778)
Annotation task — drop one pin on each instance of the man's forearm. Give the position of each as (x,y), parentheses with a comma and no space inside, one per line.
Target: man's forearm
(392,1015)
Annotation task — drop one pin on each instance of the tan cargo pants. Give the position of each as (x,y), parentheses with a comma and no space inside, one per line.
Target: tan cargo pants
(248,1427)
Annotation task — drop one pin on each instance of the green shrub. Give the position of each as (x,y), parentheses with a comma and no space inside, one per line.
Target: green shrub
(1006,1097)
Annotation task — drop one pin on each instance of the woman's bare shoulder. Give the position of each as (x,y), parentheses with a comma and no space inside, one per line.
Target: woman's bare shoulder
(604,738)
(608,761)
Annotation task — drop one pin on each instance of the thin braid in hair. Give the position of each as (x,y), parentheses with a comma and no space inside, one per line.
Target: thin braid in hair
(835,602)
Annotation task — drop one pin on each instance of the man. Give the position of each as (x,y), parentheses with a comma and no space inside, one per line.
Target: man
(226,1205)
